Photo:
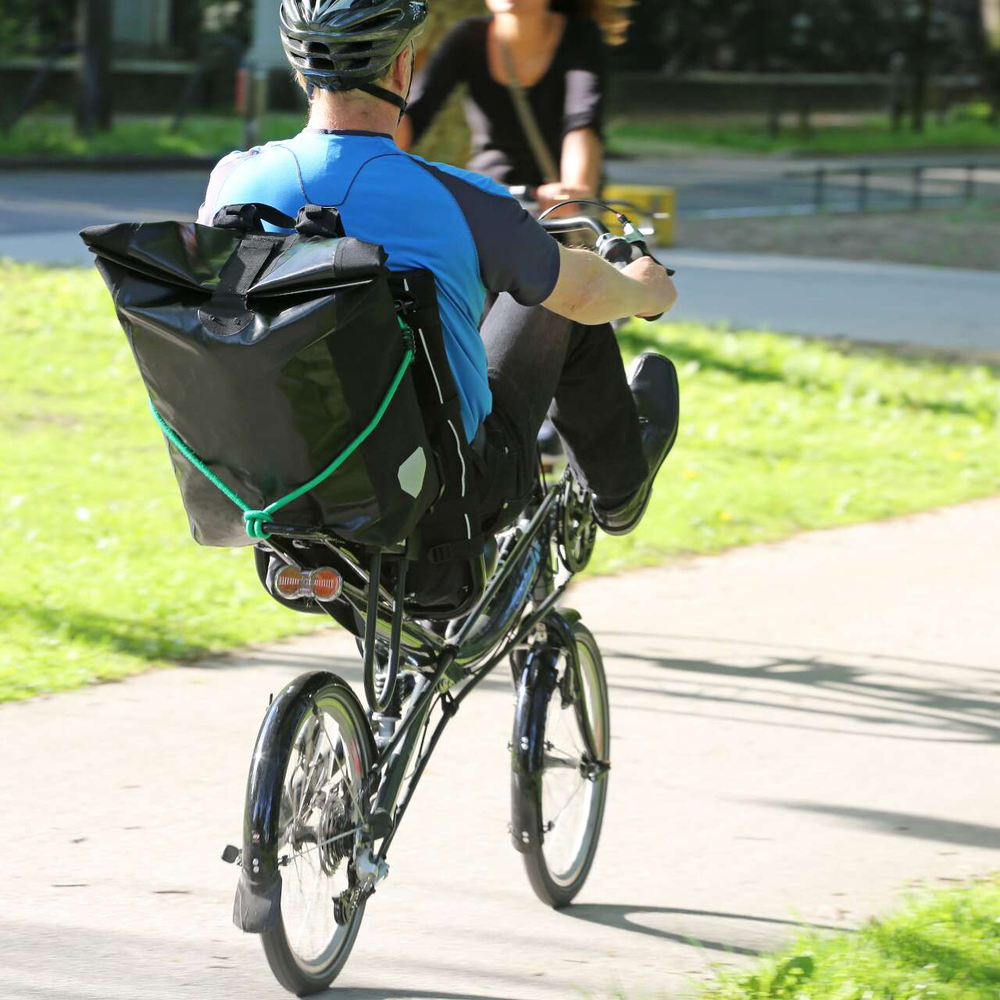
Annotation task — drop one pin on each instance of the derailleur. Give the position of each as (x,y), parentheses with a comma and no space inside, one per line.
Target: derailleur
(364,874)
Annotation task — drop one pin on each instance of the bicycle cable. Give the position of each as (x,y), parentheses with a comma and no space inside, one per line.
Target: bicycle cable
(623,219)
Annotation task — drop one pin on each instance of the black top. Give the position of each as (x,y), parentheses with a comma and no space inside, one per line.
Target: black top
(569,96)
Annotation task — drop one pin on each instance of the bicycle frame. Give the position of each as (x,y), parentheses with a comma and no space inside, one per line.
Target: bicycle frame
(534,569)
(492,631)
(447,670)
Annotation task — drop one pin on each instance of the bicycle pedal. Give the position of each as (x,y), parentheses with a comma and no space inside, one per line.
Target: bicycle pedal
(232,855)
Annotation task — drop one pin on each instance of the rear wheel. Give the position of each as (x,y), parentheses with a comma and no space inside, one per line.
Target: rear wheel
(320,834)
(562,794)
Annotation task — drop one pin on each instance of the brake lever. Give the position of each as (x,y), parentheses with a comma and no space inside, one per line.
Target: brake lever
(633,236)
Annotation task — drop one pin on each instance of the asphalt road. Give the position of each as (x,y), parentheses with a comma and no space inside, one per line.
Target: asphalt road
(929,307)
(53,201)
(722,186)
(41,213)
(800,732)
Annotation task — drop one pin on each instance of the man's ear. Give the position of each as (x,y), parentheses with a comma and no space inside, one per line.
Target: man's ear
(402,70)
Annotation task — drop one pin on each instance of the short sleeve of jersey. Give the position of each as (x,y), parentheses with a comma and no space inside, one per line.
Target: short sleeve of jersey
(224,169)
(516,254)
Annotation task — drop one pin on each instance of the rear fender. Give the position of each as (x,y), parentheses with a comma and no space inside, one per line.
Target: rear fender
(258,896)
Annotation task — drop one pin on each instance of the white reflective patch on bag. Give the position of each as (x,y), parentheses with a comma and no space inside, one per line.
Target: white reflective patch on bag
(412,472)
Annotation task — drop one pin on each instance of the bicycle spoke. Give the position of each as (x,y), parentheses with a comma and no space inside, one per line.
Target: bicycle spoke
(564,724)
(564,760)
(579,786)
(302,852)
(304,922)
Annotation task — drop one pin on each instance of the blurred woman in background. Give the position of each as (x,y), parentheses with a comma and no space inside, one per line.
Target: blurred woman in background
(535,72)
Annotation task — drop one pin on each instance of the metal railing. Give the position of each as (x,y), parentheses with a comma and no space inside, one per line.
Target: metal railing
(839,187)
(919,185)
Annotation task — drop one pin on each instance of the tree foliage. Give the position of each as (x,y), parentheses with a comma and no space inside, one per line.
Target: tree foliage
(823,36)
(28,28)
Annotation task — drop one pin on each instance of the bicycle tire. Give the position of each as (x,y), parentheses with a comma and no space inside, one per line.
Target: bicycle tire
(289,969)
(558,888)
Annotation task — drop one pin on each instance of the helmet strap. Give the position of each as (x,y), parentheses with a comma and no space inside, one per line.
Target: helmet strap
(385,95)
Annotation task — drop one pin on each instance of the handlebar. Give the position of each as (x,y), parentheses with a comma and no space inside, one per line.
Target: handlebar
(619,251)
(558,226)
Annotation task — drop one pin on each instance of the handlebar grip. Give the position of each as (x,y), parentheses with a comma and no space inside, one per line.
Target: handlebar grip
(620,252)
(617,251)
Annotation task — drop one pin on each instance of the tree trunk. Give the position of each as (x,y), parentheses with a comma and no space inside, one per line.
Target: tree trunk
(990,11)
(897,84)
(921,52)
(94,84)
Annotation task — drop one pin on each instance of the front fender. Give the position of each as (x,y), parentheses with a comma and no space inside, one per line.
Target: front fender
(538,678)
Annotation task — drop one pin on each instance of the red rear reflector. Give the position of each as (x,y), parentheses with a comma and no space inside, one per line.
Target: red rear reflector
(323,584)
(288,582)
(326,584)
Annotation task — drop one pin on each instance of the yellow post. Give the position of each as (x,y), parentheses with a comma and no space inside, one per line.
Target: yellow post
(648,201)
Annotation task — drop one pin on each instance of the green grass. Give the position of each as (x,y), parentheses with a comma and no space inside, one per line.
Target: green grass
(214,135)
(199,135)
(942,946)
(780,434)
(965,130)
(102,578)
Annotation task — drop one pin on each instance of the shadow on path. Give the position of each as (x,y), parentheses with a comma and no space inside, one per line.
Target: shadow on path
(741,644)
(622,917)
(968,715)
(913,825)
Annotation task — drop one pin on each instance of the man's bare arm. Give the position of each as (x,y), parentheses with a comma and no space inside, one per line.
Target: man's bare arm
(592,291)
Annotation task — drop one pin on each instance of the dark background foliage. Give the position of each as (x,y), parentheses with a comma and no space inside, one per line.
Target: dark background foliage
(821,36)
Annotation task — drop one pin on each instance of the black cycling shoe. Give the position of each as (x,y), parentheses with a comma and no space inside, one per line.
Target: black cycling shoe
(653,381)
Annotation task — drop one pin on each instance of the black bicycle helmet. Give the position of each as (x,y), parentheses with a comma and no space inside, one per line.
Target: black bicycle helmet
(348,44)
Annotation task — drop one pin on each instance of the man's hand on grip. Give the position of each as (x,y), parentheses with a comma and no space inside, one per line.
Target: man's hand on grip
(656,284)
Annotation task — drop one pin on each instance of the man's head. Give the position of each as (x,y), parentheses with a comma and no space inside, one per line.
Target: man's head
(375,108)
(345,45)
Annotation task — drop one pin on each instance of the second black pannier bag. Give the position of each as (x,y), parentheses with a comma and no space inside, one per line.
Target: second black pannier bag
(269,358)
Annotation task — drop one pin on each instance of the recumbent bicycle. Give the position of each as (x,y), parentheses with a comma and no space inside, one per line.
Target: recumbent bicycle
(262,355)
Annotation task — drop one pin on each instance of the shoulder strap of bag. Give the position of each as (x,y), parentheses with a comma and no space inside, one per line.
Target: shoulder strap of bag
(312,220)
(250,218)
(529,123)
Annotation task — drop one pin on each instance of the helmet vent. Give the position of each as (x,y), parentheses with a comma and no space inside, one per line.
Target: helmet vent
(344,44)
(382,21)
(355,49)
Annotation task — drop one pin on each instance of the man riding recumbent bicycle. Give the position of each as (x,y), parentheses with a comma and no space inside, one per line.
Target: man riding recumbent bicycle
(313,354)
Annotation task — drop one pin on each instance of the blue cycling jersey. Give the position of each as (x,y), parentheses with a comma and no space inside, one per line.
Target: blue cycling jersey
(462,227)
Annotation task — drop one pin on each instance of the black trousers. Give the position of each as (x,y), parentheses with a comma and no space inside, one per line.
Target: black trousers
(540,363)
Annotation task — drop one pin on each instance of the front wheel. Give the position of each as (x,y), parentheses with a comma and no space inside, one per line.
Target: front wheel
(322,814)
(561,763)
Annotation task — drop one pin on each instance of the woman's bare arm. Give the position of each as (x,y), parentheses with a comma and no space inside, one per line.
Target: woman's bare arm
(582,161)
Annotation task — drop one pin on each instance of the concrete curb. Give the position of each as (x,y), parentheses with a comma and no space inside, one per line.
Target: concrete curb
(108,163)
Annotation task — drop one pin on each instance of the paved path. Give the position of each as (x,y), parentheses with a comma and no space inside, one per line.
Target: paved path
(801,731)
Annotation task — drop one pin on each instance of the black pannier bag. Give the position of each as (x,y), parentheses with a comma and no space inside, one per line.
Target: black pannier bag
(269,358)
